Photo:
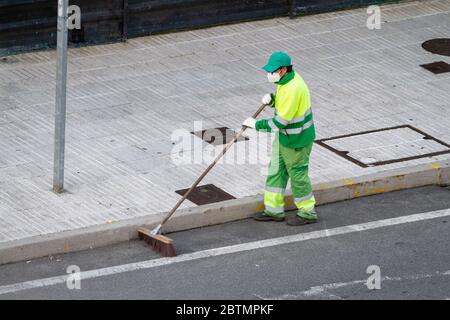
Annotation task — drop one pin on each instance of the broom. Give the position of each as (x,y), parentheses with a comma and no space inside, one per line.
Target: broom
(164,245)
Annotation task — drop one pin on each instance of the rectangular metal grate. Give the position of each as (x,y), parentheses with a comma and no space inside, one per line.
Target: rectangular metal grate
(385,146)
(208,193)
(437,67)
(218,136)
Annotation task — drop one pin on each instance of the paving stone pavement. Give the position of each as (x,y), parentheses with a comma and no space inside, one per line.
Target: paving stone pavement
(126,100)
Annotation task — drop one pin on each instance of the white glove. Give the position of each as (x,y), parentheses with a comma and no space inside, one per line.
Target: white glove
(267,99)
(249,122)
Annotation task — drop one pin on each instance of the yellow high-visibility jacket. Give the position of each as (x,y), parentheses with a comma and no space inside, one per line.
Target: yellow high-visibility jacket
(293,119)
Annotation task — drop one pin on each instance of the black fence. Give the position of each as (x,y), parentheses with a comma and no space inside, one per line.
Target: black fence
(31,24)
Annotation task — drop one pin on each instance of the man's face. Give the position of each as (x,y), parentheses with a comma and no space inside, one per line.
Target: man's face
(282,71)
(275,76)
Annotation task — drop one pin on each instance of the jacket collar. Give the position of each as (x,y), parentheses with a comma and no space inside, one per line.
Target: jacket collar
(286,78)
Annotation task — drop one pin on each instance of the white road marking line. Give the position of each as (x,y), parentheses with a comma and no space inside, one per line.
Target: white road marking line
(226,250)
(323,289)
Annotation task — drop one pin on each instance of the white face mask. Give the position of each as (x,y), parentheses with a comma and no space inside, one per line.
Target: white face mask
(273,77)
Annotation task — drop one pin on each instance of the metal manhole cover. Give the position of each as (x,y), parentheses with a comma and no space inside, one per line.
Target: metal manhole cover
(385,146)
(218,136)
(208,193)
(438,46)
(437,67)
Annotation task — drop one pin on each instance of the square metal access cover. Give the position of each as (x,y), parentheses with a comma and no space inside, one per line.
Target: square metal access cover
(437,67)
(218,136)
(385,146)
(208,193)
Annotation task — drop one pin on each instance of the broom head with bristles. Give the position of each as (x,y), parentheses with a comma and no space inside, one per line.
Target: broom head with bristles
(159,243)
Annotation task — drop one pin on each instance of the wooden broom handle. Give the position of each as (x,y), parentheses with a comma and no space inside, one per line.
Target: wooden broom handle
(225,149)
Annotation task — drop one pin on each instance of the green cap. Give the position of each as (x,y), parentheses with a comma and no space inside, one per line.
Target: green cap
(276,61)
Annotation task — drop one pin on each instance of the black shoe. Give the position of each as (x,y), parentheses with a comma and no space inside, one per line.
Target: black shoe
(299,221)
(261,216)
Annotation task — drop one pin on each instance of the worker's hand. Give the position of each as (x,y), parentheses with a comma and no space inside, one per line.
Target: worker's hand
(250,123)
(267,99)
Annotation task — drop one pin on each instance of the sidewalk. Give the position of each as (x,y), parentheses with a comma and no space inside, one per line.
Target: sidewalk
(126,99)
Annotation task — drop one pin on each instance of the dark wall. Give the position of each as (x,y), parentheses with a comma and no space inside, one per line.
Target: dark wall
(31,24)
(299,7)
(156,16)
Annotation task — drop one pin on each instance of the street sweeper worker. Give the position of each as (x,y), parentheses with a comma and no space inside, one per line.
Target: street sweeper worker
(291,149)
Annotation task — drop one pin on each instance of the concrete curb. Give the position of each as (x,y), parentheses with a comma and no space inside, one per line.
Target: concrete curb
(226,211)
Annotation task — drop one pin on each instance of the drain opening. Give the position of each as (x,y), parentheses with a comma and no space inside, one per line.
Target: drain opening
(206,194)
(218,136)
(437,67)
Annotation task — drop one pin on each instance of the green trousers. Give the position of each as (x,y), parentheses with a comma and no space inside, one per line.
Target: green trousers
(290,163)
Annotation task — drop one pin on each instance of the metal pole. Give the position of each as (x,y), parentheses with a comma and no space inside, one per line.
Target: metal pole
(60,105)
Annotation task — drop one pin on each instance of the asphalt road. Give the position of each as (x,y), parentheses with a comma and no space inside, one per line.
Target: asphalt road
(404,234)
